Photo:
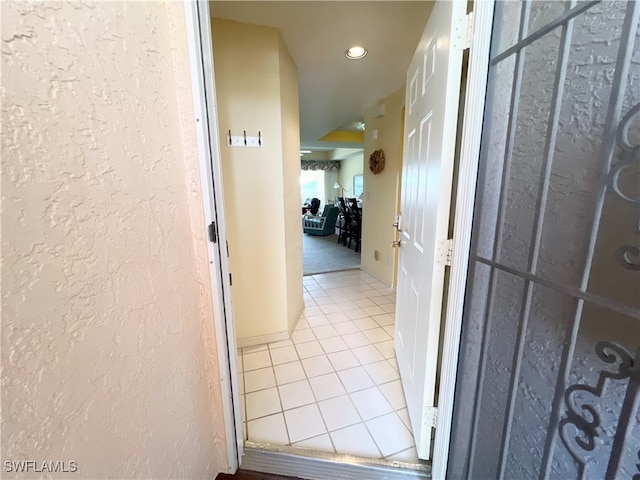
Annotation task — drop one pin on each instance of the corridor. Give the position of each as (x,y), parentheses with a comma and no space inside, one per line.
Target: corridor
(335,386)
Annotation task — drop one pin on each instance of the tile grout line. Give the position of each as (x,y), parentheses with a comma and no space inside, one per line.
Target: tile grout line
(323,374)
(377,386)
(313,393)
(284,419)
(300,406)
(336,429)
(362,421)
(367,293)
(335,372)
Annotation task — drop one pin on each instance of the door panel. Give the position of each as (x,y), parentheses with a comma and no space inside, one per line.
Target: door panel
(432,89)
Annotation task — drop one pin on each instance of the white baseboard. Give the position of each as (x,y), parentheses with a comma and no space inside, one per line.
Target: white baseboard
(294,324)
(366,270)
(271,337)
(262,339)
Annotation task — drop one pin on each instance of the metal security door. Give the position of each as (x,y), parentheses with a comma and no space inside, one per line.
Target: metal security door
(549,374)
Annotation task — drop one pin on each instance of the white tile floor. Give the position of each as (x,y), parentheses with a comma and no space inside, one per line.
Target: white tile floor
(335,385)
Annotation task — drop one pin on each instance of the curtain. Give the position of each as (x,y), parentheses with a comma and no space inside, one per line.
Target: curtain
(327,165)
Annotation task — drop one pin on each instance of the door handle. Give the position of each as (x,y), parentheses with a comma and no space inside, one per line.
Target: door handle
(396,243)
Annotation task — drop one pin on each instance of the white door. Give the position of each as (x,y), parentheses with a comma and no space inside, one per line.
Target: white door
(431,109)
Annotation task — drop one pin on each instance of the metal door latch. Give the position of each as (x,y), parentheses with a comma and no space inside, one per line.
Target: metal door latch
(445,252)
(396,224)
(213,237)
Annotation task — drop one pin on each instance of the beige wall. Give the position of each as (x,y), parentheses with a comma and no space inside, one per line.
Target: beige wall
(381,190)
(108,349)
(330,193)
(256,85)
(291,178)
(348,168)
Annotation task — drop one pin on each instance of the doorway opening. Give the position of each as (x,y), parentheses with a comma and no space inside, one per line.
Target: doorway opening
(377,337)
(331,229)
(294,392)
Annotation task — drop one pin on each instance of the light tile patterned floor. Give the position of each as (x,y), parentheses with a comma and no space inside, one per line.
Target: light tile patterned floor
(335,385)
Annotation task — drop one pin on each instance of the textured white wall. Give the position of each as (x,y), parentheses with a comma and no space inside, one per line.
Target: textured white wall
(108,349)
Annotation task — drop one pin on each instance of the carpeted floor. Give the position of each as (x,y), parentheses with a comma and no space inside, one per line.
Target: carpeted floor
(324,254)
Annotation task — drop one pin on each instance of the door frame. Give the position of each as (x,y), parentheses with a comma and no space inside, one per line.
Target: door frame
(205,110)
(209,160)
(478,70)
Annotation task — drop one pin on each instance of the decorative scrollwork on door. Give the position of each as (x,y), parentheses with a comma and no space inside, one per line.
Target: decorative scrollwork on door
(585,418)
(628,255)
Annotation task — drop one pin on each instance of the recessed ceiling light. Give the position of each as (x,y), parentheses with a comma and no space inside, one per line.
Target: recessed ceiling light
(356,52)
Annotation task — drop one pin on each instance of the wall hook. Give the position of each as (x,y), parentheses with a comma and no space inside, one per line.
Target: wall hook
(243,140)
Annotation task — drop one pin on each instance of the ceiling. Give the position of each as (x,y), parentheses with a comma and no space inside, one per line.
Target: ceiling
(335,91)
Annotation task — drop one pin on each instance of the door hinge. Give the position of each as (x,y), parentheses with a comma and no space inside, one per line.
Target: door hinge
(430,417)
(230,280)
(445,252)
(462,34)
(213,236)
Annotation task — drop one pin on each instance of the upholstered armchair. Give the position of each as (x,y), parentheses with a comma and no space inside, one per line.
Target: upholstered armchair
(323,225)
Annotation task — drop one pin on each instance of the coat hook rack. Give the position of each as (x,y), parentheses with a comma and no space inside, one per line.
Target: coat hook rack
(244,140)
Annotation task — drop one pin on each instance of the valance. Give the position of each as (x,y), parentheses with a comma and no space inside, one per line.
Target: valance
(328,165)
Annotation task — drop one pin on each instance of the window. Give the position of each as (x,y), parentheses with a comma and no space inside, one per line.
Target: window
(358,185)
(312,184)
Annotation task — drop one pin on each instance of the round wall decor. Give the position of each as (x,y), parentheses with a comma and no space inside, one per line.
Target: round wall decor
(376,161)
